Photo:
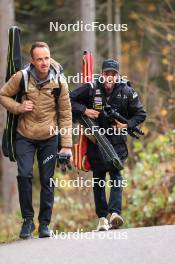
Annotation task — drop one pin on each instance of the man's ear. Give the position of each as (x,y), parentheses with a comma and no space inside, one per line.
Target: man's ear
(31,60)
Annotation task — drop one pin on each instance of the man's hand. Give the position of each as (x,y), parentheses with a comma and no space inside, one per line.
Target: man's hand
(67,151)
(120,125)
(26,106)
(91,113)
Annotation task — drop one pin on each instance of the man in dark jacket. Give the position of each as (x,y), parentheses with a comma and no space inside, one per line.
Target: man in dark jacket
(89,101)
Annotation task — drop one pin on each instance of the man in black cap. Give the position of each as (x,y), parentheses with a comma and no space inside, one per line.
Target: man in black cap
(89,100)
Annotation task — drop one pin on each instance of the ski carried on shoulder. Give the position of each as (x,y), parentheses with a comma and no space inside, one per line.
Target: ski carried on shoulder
(13,65)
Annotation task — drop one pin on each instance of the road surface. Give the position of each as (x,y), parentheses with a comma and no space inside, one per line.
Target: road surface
(148,245)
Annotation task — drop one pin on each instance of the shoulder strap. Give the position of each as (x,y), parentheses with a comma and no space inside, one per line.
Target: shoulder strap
(92,90)
(24,81)
(25,76)
(56,92)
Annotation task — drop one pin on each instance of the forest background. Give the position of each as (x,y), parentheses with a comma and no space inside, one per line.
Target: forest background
(146,52)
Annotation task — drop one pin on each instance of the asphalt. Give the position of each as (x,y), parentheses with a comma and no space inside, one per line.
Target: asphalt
(148,245)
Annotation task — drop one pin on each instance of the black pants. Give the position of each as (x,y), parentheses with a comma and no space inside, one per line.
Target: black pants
(46,156)
(115,199)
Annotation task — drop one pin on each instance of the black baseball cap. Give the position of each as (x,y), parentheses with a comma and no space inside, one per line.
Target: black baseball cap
(110,64)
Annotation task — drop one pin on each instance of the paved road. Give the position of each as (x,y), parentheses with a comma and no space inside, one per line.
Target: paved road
(149,245)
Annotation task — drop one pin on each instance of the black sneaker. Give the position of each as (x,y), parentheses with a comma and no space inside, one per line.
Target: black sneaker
(27,228)
(43,231)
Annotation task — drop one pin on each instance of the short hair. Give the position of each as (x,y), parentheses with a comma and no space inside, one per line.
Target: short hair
(38,45)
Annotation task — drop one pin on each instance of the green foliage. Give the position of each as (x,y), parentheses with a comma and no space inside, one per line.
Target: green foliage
(149,197)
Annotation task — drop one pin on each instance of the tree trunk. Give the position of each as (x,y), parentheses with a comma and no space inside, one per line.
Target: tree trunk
(118,51)
(8,169)
(110,33)
(77,44)
(88,38)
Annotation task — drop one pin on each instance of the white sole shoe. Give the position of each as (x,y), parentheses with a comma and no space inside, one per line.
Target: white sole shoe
(103,224)
(116,221)
(102,228)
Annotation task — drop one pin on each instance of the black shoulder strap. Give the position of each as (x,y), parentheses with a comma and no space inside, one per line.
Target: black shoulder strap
(56,92)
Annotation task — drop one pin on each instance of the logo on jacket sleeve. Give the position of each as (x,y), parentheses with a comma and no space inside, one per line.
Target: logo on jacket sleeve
(134,95)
